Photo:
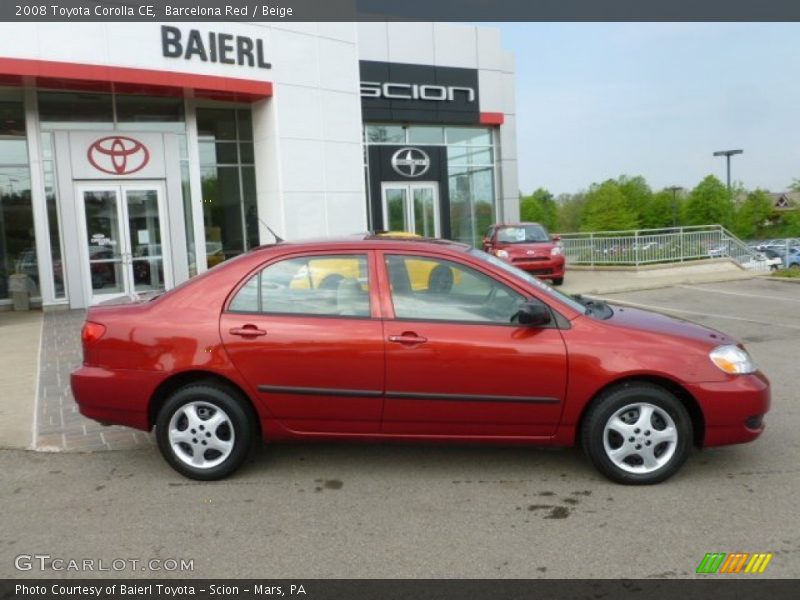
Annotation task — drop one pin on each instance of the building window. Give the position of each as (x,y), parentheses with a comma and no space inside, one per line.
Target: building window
(228,176)
(470,166)
(17,246)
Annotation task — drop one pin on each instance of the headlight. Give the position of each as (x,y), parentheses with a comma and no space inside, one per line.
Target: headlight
(501,253)
(732,359)
(555,251)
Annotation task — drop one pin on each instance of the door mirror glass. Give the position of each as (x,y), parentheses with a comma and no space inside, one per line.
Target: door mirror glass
(533,314)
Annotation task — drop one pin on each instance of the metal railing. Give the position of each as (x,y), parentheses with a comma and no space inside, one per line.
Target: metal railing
(653,246)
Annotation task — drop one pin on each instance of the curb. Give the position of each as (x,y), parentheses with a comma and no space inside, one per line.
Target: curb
(783,279)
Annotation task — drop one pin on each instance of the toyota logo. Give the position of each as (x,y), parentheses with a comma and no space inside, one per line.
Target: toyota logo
(118,155)
(411,162)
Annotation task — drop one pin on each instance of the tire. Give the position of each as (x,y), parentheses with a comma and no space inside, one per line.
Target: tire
(183,432)
(623,410)
(558,281)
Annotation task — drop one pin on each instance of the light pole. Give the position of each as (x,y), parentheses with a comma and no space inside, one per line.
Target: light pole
(727,154)
(674,189)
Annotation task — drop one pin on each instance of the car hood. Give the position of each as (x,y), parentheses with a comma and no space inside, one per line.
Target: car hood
(651,322)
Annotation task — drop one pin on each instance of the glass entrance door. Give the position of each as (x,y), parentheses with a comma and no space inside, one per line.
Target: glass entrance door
(125,250)
(411,207)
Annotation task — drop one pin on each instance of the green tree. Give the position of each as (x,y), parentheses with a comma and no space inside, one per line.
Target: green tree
(658,212)
(539,207)
(570,209)
(607,209)
(637,194)
(753,215)
(709,204)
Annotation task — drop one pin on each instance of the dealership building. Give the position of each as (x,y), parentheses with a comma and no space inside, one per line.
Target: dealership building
(134,156)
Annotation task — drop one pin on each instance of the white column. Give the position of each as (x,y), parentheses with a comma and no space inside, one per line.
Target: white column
(195,182)
(38,198)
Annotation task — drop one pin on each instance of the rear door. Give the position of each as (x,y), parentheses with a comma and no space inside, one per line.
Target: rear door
(455,364)
(305,333)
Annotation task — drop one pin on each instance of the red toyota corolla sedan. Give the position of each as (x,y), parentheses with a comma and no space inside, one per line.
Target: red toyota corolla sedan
(375,338)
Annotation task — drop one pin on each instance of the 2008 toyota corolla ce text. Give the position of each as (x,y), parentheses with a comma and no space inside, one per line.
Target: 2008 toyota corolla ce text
(382,338)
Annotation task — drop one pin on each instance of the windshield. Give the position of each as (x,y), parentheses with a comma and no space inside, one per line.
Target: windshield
(522,234)
(520,274)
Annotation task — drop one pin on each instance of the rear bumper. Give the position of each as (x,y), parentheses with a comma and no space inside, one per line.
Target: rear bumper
(117,397)
(733,410)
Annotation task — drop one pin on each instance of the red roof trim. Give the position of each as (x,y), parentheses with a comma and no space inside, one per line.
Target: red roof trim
(492,118)
(101,75)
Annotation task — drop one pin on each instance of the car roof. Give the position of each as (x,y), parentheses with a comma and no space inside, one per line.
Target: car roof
(368,240)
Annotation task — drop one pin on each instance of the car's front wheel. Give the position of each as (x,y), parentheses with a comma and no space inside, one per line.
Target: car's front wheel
(637,433)
(558,281)
(204,431)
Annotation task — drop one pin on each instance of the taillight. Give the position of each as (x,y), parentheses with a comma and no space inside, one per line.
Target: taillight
(92,332)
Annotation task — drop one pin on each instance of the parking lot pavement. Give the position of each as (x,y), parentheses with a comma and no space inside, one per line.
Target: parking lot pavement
(354,510)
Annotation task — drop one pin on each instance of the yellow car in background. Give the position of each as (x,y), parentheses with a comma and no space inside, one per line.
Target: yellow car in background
(327,273)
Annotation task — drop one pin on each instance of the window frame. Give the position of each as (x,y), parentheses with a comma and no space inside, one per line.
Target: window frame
(372,287)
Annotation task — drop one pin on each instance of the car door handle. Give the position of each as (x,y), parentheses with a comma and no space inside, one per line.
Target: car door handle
(248,331)
(409,338)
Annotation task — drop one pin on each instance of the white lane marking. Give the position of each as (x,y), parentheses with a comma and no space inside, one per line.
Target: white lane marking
(718,291)
(693,312)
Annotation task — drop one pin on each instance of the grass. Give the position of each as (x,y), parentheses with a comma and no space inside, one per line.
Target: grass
(791,273)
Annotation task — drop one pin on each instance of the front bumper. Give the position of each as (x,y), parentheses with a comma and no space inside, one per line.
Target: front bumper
(549,268)
(733,410)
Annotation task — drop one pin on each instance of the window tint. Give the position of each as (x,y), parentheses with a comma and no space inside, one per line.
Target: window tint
(317,285)
(441,290)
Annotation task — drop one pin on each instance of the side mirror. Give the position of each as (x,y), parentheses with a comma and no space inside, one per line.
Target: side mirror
(556,238)
(486,242)
(533,314)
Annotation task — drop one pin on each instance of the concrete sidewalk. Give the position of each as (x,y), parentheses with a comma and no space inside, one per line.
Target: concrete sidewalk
(20,344)
(581,280)
(38,352)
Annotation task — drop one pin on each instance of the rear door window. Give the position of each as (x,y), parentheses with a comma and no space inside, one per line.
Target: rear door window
(329,285)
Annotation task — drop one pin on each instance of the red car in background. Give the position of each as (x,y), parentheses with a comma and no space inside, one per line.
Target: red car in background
(418,340)
(529,247)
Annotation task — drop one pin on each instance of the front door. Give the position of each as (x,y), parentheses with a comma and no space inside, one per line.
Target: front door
(411,207)
(125,251)
(456,364)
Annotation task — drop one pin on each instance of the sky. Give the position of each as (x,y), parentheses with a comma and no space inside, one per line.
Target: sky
(599,100)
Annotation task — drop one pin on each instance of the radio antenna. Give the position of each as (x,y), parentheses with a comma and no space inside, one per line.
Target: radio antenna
(278,239)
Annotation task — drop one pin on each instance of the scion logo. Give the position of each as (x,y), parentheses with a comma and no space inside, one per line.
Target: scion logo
(411,162)
(118,155)
(733,563)
(414,91)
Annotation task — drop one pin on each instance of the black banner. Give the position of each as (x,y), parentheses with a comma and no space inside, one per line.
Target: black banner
(408,10)
(402,93)
(421,589)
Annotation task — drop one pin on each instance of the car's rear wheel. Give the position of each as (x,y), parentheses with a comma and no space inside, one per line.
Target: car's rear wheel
(558,281)
(637,434)
(204,431)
